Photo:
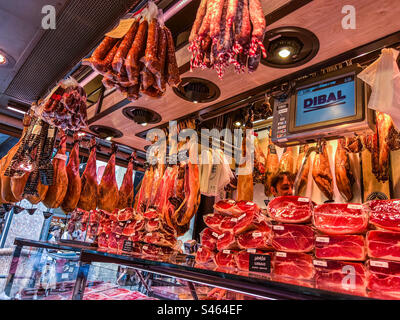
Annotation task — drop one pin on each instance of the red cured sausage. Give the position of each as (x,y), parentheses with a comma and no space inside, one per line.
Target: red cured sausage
(150,59)
(201,13)
(104,47)
(162,57)
(137,50)
(171,64)
(229,20)
(257,19)
(123,49)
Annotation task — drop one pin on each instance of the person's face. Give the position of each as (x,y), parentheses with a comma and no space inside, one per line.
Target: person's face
(283,188)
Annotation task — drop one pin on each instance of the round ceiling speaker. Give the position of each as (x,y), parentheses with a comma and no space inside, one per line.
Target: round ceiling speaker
(104,131)
(197,90)
(141,115)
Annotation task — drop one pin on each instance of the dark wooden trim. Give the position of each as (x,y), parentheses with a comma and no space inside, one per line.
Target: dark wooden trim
(11,131)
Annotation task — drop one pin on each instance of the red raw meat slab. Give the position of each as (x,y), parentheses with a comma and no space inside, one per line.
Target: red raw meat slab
(385,214)
(290,209)
(151,214)
(213,220)
(204,255)
(384,276)
(292,238)
(225,259)
(341,247)
(340,218)
(340,276)
(228,223)
(153,225)
(227,241)
(209,238)
(293,265)
(383,244)
(125,214)
(254,239)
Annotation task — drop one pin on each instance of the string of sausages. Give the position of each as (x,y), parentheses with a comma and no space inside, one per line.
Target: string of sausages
(228,32)
(141,63)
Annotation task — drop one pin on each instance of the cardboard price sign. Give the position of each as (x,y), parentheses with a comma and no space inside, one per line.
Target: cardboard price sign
(122,29)
(260,263)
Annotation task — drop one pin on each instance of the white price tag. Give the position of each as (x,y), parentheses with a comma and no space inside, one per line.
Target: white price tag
(320,263)
(200,250)
(221,236)
(226,251)
(257,234)
(354,206)
(231,201)
(283,111)
(64,276)
(215,234)
(36,129)
(381,264)
(303,200)
(145,247)
(50,133)
(251,250)
(278,228)
(234,220)
(322,239)
(242,216)
(281,254)
(149,234)
(249,203)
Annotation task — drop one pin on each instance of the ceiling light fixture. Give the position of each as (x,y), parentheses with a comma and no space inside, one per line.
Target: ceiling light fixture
(284,53)
(3,59)
(237,123)
(15,110)
(109,138)
(144,124)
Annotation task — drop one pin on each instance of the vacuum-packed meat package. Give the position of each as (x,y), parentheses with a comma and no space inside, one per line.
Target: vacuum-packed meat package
(383,244)
(290,209)
(292,238)
(385,214)
(340,247)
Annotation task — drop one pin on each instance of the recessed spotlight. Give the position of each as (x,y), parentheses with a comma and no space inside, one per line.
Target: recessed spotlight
(15,110)
(284,53)
(144,124)
(3,59)
(109,138)
(195,101)
(237,123)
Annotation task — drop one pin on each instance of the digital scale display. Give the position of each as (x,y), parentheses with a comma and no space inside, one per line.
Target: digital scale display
(326,101)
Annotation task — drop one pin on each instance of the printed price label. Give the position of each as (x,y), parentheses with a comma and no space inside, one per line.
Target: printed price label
(260,263)
(200,250)
(303,200)
(226,251)
(234,220)
(283,111)
(278,228)
(281,254)
(257,234)
(122,29)
(320,263)
(149,234)
(381,264)
(231,201)
(354,206)
(215,235)
(242,216)
(145,247)
(50,133)
(61,156)
(251,250)
(322,239)
(64,276)
(249,203)
(36,129)
(128,246)
(221,236)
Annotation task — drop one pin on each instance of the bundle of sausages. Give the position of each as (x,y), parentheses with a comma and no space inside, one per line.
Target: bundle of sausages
(142,62)
(228,32)
(65,107)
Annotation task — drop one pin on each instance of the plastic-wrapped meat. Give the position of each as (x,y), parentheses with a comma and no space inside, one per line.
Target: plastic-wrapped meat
(233,208)
(340,218)
(204,255)
(294,265)
(292,238)
(209,238)
(340,276)
(151,214)
(137,236)
(255,240)
(250,220)
(151,250)
(125,214)
(385,214)
(160,239)
(290,209)
(102,240)
(225,259)
(112,242)
(120,242)
(384,276)
(227,224)
(213,220)
(340,247)
(383,244)
(227,241)
(153,225)
(242,258)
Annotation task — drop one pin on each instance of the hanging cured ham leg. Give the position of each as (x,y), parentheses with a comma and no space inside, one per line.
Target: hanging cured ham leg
(306,170)
(74,180)
(108,189)
(126,191)
(287,163)
(322,173)
(245,174)
(383,123)
(57,191)
(88,198)
(344,176)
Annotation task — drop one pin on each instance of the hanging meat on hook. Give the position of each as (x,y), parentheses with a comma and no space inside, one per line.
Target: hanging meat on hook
(287,163)
(125,199)
(259,163)
(322,172)
(89,189)
(245,175)
(108,196)
(353,144)
(304,175)
(57,191)
(74,180)
(344,177)
(272,165)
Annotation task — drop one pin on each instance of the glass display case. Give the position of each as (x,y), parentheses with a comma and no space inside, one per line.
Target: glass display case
(77,272)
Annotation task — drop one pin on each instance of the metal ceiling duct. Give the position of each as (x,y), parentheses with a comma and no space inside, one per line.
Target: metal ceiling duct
(79,27)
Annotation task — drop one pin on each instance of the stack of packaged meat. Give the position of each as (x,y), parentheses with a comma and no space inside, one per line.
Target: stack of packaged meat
(233,232)
(142,60)
(383,247)
(125,231)
(340,248)
(292,237)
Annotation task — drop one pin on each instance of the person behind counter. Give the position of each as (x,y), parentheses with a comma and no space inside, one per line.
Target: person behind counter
(282,184)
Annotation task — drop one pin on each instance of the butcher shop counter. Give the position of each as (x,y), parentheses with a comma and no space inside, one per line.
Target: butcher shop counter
(173,269)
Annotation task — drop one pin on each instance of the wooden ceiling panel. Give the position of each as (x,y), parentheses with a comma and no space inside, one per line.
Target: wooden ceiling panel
(323,17)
